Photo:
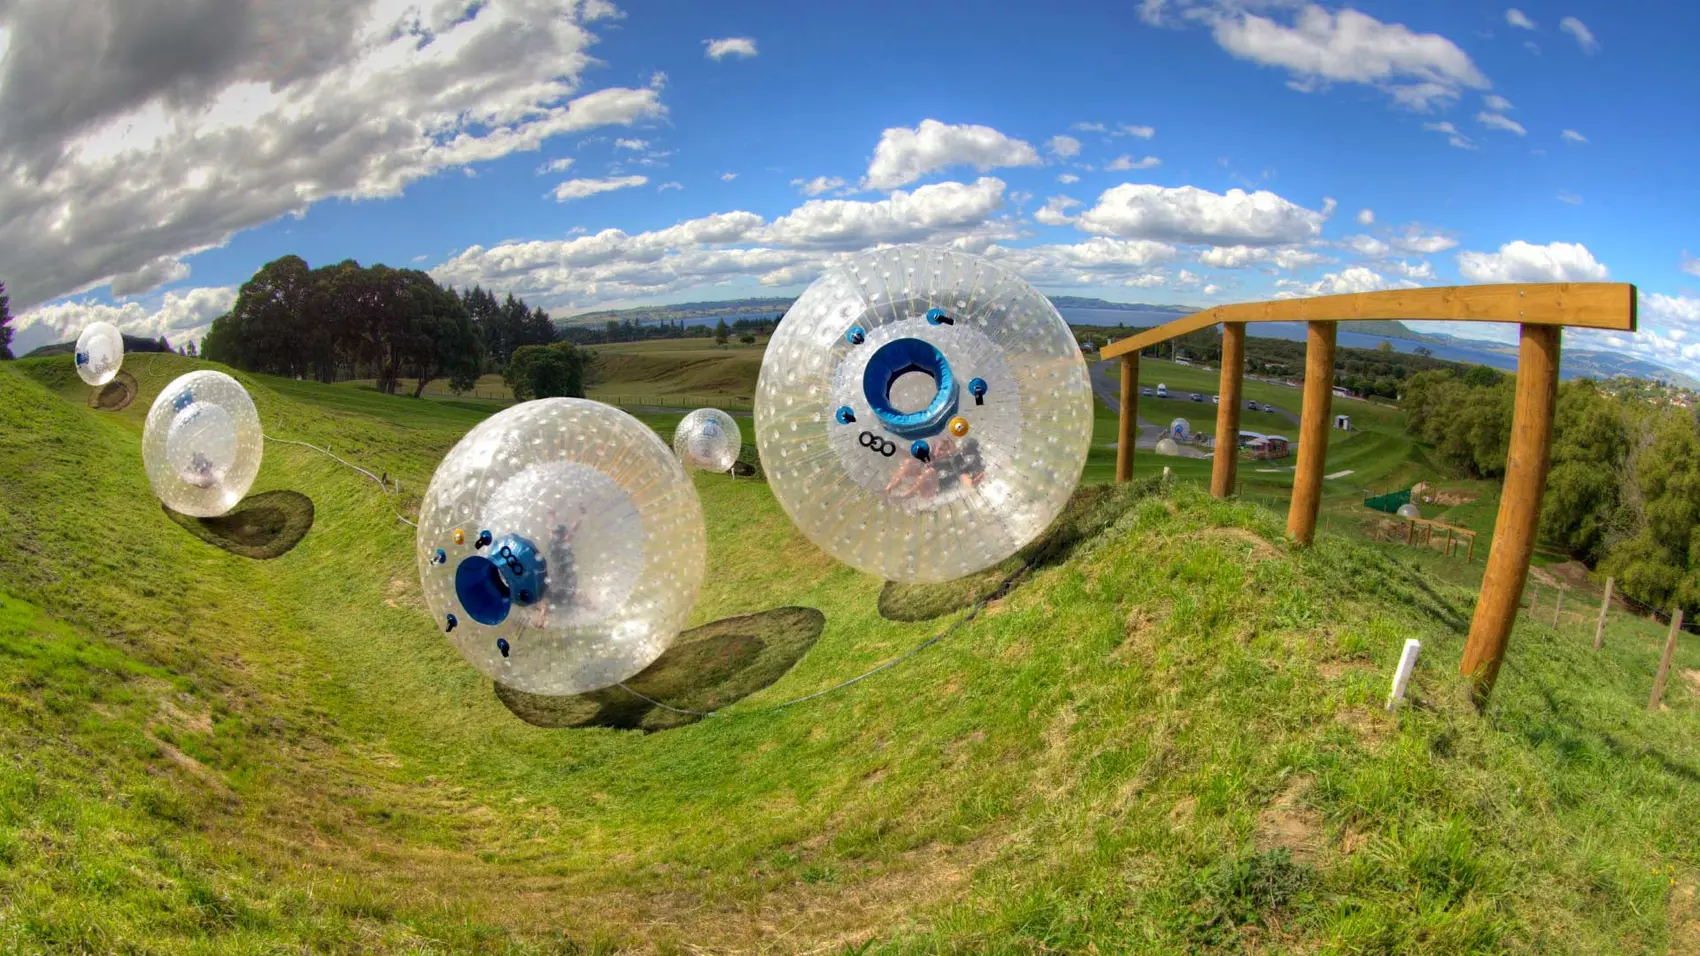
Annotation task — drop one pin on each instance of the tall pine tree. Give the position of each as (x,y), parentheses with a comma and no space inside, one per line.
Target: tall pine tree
(5,323)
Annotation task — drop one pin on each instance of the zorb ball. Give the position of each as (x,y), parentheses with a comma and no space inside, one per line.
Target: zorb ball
(1408,510)
(100,351)
(1167,446)
(1180,427)
(561,546)
(708,439)
(201,445)
(922,414)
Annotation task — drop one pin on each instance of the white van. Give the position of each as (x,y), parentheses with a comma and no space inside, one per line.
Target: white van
(1162,390)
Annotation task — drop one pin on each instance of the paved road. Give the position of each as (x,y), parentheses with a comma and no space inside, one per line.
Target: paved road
(1107,383)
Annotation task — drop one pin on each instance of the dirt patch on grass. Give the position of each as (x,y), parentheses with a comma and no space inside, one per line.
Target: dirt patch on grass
(706,668)
(1287,824)
(263,526)
(1683,919)
(1450,497)
(116,395)
(1260,550)
(1334,670)
(1371,727)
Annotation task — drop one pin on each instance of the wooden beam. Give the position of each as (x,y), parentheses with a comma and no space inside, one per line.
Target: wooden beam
(1227,457)
(1591,305)
(1313,431)
(1605,605)
(1664,661)
(1519,508)
(1127,426)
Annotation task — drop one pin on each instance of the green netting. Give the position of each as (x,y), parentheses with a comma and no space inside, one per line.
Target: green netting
(1389,502)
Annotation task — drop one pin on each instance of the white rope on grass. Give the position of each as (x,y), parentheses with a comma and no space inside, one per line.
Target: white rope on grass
(348,464)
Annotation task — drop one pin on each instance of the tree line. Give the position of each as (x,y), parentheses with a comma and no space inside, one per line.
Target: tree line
(633,330)
(1381,371)
(350,321)
(1623,493)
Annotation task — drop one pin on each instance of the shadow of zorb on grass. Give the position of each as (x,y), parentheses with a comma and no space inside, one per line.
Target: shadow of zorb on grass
(116,395)
(706,668)
(263,526)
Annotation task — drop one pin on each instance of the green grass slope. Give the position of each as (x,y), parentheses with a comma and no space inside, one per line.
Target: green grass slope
(1170,741)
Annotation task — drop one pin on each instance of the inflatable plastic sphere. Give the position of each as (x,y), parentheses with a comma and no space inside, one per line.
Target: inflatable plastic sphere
(561,546)
(1168,446)
(201,445)
(100,352)
(709,439)
(1180,428)
(922,414)
(1408,510)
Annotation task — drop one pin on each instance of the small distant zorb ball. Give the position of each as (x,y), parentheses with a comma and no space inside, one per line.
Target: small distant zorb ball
(1180,428)
(922,414)
(201,445)
(100,352)
(561,546)
(1167,446)
(708,439)
(1408,510)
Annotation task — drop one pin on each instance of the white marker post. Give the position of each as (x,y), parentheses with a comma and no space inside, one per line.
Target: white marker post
(1402,676)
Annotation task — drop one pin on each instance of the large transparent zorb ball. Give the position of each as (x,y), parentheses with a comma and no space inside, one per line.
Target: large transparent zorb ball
(100,352)
(201,445)
(561,546)
(922,414)
(708,439)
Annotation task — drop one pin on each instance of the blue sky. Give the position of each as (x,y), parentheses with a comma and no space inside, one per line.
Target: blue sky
(586,155)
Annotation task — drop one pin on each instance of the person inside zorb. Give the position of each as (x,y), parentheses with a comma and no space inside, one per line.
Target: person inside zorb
(922,413)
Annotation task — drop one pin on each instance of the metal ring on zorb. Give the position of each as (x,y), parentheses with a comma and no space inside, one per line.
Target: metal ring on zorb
(874,356)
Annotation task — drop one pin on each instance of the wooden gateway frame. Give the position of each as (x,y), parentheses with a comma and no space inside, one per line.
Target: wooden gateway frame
(1541,312)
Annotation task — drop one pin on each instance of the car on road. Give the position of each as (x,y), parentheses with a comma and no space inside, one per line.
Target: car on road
(1268,407)
(1251,404)
(1197,397)
(1146,391)
(1162,390)
(1215,399)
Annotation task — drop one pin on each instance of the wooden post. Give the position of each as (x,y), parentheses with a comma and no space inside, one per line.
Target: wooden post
(1470,555)
(1449,542)
(1129,417)
(1410,532)
(1664,661)
(1519,508)
(1558,607)
(1227,456)
(1313,431)
(1600,627)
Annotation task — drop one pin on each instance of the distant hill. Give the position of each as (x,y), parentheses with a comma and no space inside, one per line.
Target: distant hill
(132,343)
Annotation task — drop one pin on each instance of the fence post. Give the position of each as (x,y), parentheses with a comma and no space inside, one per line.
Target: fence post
(1126,426)
(1558,607)
(1225,460)
(1600,628)
(1664,662)
(1313,431)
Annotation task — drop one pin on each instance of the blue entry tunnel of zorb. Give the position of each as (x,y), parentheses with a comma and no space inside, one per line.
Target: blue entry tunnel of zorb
(561,546)
(922,413)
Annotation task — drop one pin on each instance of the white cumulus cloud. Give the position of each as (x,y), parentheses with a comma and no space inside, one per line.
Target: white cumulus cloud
(818,185)
(181,317)
(1125,162)
(1496,121)
(1418,70)
(1571,136)
(1067,178)
(1366,217)
(728,177)
(1521,261)
(1063,146)
(580,188)
(741,47)
(905,155)
(1056,210)
(1516,18)
(1453,136)
(205,119)
(1188,214)
(1579,30)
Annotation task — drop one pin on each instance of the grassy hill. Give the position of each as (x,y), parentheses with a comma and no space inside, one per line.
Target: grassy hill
(1167,738)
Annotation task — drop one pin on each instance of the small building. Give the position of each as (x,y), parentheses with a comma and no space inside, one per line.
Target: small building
(1343,422)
